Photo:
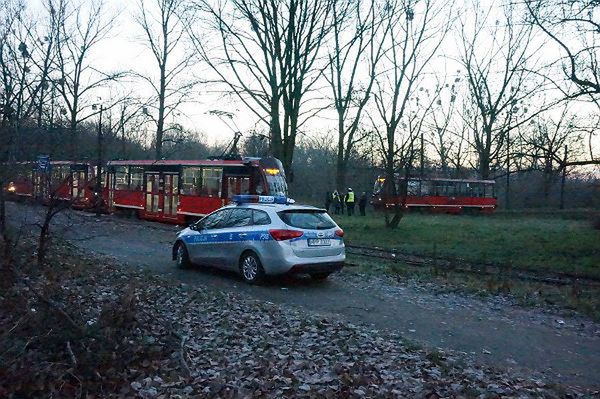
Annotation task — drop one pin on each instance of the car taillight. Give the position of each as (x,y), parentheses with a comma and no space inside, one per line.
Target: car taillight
(339,233)
(281,234)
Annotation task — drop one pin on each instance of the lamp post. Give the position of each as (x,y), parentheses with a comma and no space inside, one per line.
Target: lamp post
(99,164)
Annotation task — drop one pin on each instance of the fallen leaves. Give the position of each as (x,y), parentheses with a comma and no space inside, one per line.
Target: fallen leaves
(153,338)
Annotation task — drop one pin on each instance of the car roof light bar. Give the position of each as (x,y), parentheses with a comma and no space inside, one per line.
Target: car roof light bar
(261,199)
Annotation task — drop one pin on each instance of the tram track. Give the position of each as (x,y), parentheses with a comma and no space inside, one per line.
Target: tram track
(443,264)
(457,265)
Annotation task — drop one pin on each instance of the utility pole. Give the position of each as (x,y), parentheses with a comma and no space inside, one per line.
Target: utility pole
(99,167)
(422,162)
(508,168)
(562,180)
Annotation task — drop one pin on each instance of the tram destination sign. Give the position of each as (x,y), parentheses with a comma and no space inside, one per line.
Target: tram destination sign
(43,163)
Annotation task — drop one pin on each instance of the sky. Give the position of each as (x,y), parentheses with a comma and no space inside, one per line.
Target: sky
(124,49)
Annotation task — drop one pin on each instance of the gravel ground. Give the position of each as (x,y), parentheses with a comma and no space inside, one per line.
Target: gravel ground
(172,340)
(552,347)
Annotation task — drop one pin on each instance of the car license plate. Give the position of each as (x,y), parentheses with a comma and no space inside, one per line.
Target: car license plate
(319,242)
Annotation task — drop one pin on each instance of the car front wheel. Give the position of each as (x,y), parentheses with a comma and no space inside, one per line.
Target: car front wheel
(251,269)
(182,258)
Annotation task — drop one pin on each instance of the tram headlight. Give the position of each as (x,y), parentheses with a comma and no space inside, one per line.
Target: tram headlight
(11,188)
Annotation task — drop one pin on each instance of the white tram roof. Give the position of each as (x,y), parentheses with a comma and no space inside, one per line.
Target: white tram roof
(440,179)
(187,162)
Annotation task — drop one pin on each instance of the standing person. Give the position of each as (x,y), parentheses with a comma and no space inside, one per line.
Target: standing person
(350,201)
(336,202)
(362,203)
(328,199)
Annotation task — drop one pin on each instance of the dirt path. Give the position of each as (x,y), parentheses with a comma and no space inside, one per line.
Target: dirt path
(559,350)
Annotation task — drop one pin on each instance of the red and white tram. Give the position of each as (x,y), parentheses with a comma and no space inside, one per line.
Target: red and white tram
(439,194)
(179,191)
(166,190)
(66,180)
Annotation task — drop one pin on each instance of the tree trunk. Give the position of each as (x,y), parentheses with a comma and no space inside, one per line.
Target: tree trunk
(391,195)
(340,174)
(45,234)
(484,167)
(160,123)
(341,164)
(275,129)
(2,209)
(73,133)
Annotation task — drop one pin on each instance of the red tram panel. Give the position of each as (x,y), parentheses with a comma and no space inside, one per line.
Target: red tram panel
(439,195)
(176,191)
(173,191)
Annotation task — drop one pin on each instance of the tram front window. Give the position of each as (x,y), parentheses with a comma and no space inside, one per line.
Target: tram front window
(274,176)
(276,182)
(378,185)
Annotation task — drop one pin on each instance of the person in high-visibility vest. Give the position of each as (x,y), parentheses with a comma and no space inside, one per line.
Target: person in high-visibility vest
(350,201)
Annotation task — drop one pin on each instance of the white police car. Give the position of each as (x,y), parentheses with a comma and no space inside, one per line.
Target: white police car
(264,235)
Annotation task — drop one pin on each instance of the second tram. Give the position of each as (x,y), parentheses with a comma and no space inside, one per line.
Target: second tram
(439,195)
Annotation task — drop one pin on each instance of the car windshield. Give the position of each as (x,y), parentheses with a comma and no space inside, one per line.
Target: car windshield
(307,219)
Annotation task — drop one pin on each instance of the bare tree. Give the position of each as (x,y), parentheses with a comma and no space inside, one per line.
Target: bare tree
(26,52)
(555,141)
(574,26)
(445,131)
(354,54)
(412,34)
(82,27)
(163,35)
(499,56)
(268,57)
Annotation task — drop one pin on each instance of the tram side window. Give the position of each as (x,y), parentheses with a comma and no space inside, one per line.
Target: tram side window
(479,190)
(121,177)
(488,190)
(191,182)
(426,188)
(60,172)
(211,182)
(439,189)
(412,187)
(136,175)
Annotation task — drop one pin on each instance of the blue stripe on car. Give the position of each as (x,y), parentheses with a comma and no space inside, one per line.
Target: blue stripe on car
(249,236)
(227,237)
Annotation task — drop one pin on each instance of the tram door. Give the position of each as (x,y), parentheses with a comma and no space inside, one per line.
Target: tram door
(153,193)
(170,195)
(110,183)
(238,185)
(78,179)
(162,194)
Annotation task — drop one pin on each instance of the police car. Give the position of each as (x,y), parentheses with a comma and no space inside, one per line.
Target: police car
(264,235)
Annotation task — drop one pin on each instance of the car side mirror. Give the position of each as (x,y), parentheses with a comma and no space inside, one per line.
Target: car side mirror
(195,226)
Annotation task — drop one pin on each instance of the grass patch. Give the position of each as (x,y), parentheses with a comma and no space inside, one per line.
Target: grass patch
(525,241)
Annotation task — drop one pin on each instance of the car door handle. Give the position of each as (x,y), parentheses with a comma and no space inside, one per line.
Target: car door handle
(242,234)
(214,235)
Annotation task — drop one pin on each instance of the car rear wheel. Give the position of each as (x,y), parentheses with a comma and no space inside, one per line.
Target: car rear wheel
(319,276)
(182,258)
(251,269)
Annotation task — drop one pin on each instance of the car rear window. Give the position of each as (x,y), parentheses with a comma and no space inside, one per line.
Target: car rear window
(307,219)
